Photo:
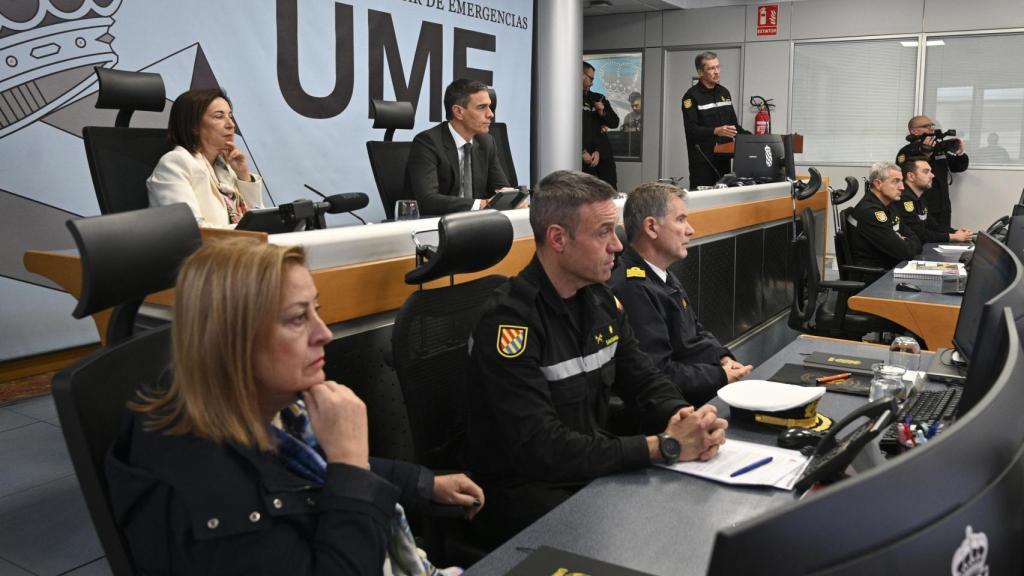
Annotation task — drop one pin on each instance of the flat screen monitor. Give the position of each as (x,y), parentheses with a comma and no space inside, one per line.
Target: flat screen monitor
(993,269)
(1015,236)
(759,156)
(952,502)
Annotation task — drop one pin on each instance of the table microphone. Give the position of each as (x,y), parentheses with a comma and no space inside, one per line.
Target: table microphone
(343,203)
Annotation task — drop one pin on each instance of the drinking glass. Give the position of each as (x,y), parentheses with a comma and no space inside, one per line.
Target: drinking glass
(887,382)
(407,210)
(906,352)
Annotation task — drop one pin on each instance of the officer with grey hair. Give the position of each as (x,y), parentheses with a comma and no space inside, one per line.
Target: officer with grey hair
(659,310)
(709,118)
(876,234)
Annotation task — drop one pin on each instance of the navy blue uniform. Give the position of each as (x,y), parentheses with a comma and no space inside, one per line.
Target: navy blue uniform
(878,236)
(541,373)
(667,328)
(937,197)
(914,212)
(595,137)
(703,111)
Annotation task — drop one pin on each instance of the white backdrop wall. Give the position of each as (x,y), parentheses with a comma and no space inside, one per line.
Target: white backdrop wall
(300,76)
(979,196)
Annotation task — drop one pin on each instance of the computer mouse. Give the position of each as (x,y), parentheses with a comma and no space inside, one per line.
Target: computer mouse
(907,287)
(798,438)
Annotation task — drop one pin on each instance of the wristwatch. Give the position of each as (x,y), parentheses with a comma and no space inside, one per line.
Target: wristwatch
(669,448)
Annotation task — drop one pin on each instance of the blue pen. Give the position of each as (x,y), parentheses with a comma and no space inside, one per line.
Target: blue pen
(932,429)
(750,467)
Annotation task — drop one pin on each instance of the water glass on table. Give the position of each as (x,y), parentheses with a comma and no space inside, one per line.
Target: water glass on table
(887,382)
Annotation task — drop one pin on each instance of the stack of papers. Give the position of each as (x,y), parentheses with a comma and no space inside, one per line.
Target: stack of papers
(924,269)
(953,248)
(782,472)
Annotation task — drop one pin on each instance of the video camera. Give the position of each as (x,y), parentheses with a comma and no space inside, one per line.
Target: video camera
(941,145)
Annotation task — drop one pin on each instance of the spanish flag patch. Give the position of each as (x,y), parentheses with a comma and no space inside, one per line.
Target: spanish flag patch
(880,216)
(908,206)
(687,103)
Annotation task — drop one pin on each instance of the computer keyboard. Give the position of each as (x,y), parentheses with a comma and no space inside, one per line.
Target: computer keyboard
(926,408)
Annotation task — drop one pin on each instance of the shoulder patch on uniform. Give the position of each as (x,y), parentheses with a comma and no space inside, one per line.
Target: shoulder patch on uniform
(908,205)
(636,272)
(511,340)
(687,103)
(880,216)
(901,158)
(618,305)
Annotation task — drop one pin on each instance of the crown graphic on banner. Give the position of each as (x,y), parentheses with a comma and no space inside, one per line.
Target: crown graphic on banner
(47,55)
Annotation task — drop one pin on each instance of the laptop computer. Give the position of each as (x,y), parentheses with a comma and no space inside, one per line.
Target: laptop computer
(946,366)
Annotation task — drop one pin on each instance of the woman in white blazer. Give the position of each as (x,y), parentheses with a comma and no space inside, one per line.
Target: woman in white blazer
(205,170)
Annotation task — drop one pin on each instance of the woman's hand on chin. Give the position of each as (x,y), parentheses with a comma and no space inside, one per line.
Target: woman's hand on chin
(338,418)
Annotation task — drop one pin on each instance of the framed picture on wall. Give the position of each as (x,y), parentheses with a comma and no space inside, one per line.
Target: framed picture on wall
(619,76)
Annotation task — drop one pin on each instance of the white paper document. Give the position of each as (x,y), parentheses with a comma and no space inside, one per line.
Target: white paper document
(782,472)
(953,248)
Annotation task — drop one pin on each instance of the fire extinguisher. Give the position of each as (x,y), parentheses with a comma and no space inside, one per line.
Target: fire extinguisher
(763,119)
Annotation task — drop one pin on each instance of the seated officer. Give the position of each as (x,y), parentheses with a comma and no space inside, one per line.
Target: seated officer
(659,310)
(550,345)
(454,166)
(879,237)
(917,179)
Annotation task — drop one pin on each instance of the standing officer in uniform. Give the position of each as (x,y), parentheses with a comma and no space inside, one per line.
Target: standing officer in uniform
(708,118)
(937,198)
(550,346)
(598,118)
(917,180)
(880,238)
(659,310)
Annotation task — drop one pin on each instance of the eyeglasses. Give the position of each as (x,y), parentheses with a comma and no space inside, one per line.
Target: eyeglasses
(590,76)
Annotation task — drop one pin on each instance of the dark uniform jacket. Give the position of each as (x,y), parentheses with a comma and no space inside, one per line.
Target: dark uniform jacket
(703,111)
(874,232)
(668,330)
(595,138)
(190,506)
(540,378)
(914,213)
(432,174)
(937,197)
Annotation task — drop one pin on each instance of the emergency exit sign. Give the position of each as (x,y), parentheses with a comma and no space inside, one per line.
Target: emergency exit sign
(768,20)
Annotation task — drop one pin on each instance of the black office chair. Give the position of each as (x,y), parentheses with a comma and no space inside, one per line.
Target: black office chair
(430,349)
(499,131)
(122,158)
(819,306)
(388,158)
(90,397)
(128,256)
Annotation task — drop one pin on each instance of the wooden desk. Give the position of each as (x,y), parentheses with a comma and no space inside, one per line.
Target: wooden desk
(358,275)
(929,315)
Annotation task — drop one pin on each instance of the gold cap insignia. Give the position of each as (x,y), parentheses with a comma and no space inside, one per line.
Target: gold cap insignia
(636,272)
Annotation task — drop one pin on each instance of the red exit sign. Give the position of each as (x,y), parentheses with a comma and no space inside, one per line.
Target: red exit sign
(768,20)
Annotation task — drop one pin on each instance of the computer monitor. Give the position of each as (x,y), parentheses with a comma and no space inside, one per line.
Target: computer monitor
(953,502)
(993,269)
(759,156)
(1015,236)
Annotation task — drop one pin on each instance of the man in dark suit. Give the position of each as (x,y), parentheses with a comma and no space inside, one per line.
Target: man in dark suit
(441,175)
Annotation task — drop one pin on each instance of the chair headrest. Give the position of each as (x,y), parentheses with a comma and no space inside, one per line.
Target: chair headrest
(843,195)
(466,242)
(129,91)
(393,114)
(129,255)
(804,190)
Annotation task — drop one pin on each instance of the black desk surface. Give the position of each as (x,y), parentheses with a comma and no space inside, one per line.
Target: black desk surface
(665,522)
(885,285)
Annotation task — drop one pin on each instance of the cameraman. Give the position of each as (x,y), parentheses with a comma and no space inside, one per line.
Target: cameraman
(944,156)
